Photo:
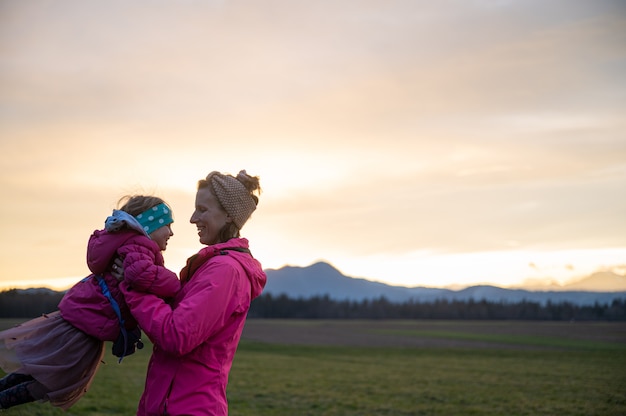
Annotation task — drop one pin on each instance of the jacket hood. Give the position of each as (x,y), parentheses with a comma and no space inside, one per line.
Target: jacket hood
(120,219)
(253,268)
(237,248)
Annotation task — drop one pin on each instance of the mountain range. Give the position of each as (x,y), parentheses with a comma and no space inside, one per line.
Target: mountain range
(322,279)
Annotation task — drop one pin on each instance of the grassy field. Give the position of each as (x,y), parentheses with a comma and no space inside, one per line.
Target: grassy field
(290,367)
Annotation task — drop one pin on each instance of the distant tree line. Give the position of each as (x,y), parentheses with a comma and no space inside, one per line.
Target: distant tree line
(16,303)
(323,307)
(19,304)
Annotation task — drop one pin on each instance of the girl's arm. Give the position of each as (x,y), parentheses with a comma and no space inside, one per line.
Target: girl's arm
(143,274)
(211,298)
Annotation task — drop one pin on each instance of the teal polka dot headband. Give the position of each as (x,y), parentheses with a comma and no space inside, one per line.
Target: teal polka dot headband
(155,218)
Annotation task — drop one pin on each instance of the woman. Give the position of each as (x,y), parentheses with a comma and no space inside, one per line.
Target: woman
(195,337)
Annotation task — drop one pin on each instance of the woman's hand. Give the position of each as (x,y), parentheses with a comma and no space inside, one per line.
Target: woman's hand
(117,269)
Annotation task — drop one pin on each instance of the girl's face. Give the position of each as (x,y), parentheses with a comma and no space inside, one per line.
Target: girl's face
(161,235)
(209,217)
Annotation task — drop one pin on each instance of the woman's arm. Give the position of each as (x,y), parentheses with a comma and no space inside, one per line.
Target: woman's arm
(211,297)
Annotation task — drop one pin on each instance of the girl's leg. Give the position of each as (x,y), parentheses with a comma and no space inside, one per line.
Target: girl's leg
(13,379)
(16,395)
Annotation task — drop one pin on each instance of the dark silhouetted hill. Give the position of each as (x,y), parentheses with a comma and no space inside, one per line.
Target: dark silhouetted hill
(322,279)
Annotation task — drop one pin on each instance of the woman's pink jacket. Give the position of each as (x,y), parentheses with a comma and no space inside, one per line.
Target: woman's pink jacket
(195,338)
(85,307)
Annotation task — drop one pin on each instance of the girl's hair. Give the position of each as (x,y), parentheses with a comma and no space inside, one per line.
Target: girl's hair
(251,183)
(136,204)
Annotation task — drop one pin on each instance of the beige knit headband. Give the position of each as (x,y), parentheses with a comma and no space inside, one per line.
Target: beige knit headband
(236,200)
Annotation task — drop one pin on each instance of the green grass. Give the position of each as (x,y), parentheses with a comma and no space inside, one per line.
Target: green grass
(572,377)
(281,380)
(511,339)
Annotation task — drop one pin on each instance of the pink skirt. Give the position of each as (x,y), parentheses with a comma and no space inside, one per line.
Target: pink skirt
(62,359)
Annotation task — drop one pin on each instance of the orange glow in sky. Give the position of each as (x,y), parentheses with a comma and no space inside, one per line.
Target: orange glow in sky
(411,142)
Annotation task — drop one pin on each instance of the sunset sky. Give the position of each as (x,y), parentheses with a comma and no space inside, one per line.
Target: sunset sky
(417,143)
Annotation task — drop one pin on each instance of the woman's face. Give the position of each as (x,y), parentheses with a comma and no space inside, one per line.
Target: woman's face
(161,235)
(209,217)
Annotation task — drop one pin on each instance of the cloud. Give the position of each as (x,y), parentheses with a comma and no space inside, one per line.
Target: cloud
(378,128)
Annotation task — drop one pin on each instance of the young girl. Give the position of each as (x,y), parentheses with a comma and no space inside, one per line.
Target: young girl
(55,357)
